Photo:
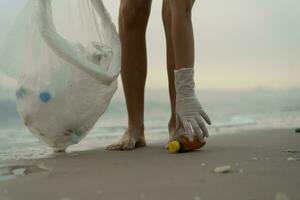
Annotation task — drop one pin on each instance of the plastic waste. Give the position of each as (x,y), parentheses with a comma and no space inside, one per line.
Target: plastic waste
(182,143)
(66,57)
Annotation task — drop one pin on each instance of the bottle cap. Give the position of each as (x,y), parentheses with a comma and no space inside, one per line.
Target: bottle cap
(174,146)
(45,96)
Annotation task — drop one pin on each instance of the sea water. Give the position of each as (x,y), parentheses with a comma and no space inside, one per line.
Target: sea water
(230,111)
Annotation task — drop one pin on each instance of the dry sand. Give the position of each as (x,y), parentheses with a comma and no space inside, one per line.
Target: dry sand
(260,170)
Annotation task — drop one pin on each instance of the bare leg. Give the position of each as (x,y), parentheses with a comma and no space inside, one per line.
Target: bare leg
(180,45)
(182,33)
(133,21)
(184,54)
(167,20)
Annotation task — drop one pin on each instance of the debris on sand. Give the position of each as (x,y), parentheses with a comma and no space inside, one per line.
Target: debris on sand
(99,192)
(293,159)
(43,167)
(254,158)
(142,196)
(223,169)
(297,130)
(197,198)
(65,198)
(281,196)
(291,150)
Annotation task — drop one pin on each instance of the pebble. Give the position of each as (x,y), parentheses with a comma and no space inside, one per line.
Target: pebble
(223,169)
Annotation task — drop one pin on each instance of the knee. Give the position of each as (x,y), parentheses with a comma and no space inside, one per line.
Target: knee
(133,16)
(181,8)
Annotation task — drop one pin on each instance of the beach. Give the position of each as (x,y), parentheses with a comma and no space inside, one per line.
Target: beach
(59,68)
(263,165)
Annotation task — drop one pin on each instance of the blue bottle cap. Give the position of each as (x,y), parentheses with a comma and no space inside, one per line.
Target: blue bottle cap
(45,96)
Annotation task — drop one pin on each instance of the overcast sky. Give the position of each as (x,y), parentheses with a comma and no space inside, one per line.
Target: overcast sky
(239,43)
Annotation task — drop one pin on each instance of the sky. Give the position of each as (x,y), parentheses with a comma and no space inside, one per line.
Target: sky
(240,44)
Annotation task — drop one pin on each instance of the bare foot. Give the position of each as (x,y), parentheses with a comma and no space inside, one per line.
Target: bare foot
(132,138)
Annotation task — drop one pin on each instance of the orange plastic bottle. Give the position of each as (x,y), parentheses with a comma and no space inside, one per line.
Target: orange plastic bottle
(183,144)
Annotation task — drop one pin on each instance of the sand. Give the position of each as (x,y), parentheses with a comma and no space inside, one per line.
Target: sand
(258,161)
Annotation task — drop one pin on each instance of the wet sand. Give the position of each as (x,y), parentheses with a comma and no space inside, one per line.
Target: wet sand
(263,165)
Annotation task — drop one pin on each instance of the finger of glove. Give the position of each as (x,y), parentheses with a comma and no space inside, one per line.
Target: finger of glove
(202,125)
(197,129)
(188,129)
(205,117)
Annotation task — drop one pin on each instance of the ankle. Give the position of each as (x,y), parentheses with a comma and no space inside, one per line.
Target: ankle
(136,127)
(172,126)
(172,122)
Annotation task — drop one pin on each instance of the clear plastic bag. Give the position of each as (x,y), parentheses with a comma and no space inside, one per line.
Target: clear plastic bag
(66,57)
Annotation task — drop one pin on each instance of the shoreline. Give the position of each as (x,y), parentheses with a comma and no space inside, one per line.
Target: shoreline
(261,168)
(39,150)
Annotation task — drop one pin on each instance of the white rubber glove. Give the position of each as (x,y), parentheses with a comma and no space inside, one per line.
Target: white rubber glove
(189,112)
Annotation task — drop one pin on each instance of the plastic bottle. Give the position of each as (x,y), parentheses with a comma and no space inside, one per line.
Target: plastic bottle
(183,144)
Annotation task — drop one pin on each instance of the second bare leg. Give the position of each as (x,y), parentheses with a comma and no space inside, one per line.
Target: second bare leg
(167,20)
(133,21)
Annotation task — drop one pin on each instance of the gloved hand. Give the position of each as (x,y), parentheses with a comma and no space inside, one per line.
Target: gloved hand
(189,112)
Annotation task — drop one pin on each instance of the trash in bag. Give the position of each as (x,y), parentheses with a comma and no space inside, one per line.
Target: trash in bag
(66,57)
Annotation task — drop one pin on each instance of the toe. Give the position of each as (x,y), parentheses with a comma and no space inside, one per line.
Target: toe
(114,147)
(122,146)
